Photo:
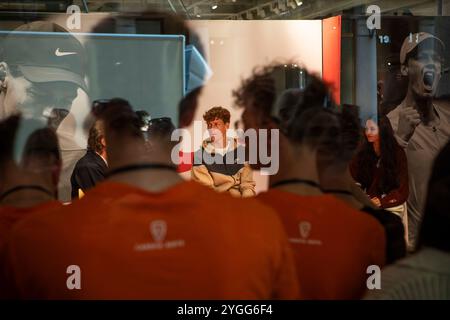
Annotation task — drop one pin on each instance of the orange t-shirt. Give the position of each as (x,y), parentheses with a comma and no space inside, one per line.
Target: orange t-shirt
(9,216)
(187,242)
(333,243)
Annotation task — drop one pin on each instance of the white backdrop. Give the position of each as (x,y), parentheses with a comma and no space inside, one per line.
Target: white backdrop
(233,48)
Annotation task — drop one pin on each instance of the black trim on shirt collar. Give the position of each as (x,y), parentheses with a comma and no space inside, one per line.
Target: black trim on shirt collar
(25,187)
(141,166)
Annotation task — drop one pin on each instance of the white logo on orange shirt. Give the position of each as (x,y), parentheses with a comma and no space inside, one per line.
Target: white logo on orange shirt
(304,228)
(158,230)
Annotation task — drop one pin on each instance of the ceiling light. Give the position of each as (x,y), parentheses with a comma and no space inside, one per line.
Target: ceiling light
(214,6)
(298,2)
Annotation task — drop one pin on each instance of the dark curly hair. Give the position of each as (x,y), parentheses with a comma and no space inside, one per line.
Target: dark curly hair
(258,89)
(310,121)
(96,134)
(300,113)
(367,159)
(217,113)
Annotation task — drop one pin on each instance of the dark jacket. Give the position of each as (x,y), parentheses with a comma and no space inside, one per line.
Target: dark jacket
(388,198)
(88,171)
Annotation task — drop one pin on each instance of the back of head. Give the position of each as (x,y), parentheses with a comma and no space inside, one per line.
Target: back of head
(302,114)
(259,90)
(435,228)
(160,132)
(41,150)
(119,118)
(348,138)
(124,138)
(287,104)
(305,117)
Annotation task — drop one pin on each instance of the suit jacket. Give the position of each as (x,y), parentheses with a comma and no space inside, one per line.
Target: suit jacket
(89,171)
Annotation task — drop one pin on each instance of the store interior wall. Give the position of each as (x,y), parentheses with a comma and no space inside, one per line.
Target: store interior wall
(234,48)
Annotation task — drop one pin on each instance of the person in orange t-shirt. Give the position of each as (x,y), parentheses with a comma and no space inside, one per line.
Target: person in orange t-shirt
(333,243)
(29,186)
(144,233)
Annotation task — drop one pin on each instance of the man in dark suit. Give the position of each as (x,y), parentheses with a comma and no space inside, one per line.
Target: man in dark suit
(92,167)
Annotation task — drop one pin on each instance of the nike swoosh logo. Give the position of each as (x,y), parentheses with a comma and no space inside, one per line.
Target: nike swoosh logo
(62,54)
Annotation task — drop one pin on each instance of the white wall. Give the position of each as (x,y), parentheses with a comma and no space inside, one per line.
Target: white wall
(233,48)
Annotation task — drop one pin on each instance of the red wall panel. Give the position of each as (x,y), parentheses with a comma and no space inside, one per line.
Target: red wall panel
(331,53)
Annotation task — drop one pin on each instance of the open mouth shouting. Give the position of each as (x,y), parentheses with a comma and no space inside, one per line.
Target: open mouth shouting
(428,80)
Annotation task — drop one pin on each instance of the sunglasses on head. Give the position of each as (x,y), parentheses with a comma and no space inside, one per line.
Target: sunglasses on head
(159,120)
(98,106)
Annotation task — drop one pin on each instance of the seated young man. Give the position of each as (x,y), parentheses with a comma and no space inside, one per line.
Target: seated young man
(333,243)
(217,163)
(31,185)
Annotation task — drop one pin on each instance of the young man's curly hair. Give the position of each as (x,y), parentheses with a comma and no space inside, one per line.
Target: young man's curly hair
(217,113)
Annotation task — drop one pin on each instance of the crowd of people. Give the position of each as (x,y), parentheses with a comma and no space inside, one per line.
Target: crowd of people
(136,230)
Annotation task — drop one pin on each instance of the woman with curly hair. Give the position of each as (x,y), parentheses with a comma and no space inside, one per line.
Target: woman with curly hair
(380,167)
